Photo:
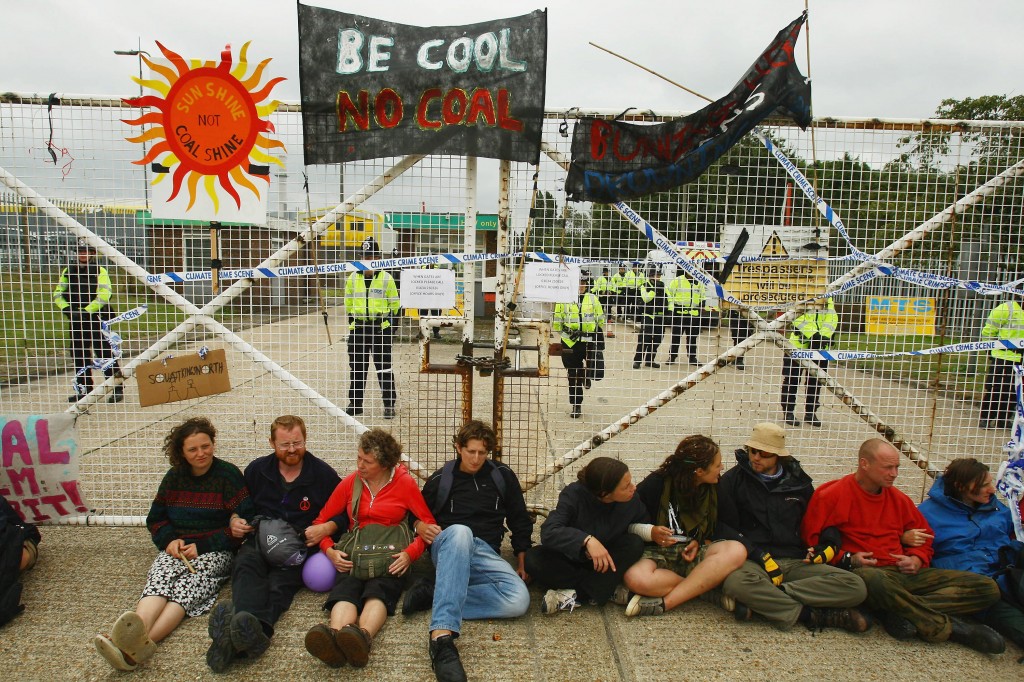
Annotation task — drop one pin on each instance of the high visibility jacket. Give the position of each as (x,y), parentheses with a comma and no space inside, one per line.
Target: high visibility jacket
(378,301)
(629,281)
(618,283)
(83,288)
(820,322)
(684,297)
(580,320)
(653,298)
(1006,321)
(604,286)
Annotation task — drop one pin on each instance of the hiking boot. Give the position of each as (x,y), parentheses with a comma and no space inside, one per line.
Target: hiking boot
(812,419)
(419,597)
(791,420)
(222,649)
(621,595)
(977,636)
(355,643)
(645,606)
(247,634)
(320,643)
(719,598)
(743,612)
(850,620)
(444,660)
(558,600)
(898,627)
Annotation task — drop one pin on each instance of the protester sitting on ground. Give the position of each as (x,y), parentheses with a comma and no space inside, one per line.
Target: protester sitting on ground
(19,542)
(190,524)
(384,493)
(586,541)
(292,485)
(872,518)
(684,563)
(472,498)
(761,502)
(974,532)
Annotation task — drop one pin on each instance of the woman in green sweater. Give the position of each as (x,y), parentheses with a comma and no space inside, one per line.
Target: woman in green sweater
(190,521)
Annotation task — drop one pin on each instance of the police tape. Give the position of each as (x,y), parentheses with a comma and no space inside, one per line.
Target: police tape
(971,347)
(1010,478)
(113,340)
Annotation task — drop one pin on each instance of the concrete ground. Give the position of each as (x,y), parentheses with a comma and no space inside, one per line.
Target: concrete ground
(87,576)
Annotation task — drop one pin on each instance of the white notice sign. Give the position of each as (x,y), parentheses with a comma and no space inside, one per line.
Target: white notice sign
(552,282)
(428,288)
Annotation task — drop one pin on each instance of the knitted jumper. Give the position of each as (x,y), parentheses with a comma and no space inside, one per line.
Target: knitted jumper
(198,509)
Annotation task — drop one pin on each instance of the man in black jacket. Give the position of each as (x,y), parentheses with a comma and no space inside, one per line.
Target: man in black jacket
(289,484)
(472,498)
(761,503)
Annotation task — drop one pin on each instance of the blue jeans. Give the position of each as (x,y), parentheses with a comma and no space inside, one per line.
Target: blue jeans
(473,581)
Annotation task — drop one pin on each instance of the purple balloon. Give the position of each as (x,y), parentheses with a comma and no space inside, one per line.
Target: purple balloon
(318,573)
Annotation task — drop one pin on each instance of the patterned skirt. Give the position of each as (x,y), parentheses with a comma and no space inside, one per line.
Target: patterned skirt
(195,592)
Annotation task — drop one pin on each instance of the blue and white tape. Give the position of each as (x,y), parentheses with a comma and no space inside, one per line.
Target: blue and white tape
(971,347)
(113,340)
(1010,479)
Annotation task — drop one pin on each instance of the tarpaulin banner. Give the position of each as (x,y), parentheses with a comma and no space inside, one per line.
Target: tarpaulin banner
(373,88)
(39,472)
(614,160)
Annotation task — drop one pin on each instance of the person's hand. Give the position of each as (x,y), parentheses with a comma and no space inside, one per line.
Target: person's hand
(189,551)
(862,559)
(820,554)
(239,527)
(400,564)
(178,547)
(772,568)
(521,568)
(908,565)
(915,537)
(427,531)
(339,559)
(661,536)
(315,533)
(690,553)
(599,555)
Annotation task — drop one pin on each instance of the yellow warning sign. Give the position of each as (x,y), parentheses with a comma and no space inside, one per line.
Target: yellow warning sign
(774,246)
(793,272)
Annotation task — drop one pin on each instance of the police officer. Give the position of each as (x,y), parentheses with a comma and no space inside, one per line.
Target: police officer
(82,292)
(1006,321)
(581,325)
(812,330)
(652,306)
(629,291)
(371,300)
(618,284)
(685,300)
(606,293)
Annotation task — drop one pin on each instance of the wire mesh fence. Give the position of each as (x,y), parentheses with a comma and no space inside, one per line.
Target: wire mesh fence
(67,165)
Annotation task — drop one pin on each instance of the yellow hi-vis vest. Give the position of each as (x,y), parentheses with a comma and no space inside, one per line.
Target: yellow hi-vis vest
(377,301)
(684,297)
(1006,321)
(822,322)
(577,321)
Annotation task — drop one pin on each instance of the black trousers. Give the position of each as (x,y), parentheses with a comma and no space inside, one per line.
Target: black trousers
(1000,396)
(649,338)
(791,372)
(554,570)
(688,325)
(585,360)
(86,343)
(261,589)
(367,341)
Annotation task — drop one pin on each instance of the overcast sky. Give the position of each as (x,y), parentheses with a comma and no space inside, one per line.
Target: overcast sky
(878,58)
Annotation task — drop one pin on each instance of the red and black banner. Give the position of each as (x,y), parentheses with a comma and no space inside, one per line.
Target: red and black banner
(613,160)
(373,88)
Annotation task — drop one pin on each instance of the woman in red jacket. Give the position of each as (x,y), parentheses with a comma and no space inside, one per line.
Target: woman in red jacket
(358,608)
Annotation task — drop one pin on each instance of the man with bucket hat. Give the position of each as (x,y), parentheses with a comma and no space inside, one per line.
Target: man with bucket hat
(761,503)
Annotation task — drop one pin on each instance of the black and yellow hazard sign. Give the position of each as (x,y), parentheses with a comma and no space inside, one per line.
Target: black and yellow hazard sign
(794,266)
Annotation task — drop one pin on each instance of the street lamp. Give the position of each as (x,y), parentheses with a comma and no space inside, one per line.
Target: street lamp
(145,171)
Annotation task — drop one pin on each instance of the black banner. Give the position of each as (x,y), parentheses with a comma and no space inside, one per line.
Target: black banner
(372,88)
(614,160)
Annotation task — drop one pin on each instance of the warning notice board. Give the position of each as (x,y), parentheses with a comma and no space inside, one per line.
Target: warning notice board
(795,268)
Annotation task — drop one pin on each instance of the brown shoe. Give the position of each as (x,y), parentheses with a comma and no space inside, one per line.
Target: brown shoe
(321,644)
(851,620)
(355,644)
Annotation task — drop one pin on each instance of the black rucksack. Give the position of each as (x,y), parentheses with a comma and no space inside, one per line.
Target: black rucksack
(444,488)
(10,571)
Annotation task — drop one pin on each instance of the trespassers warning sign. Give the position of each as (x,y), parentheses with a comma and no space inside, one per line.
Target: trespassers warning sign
(794,266)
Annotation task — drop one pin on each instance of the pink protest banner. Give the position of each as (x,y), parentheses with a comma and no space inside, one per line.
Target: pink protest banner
(39,466)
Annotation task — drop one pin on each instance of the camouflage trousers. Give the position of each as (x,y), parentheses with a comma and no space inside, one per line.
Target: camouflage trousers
(928,598)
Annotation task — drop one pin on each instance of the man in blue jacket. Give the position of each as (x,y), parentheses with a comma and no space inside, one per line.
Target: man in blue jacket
(761,503)
(289,484)
(472,498)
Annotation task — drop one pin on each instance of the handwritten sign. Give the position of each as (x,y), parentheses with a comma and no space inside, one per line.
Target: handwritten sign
(182,378)
(428,288)
(552,282)
(39,466)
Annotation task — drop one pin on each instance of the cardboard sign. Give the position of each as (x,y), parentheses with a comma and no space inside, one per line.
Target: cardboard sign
(39,466)
(182,378)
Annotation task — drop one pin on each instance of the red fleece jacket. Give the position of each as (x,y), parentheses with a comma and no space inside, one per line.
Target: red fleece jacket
(389,507)
(866,522)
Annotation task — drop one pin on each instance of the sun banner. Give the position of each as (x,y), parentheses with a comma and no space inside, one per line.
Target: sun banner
(373,88)
(616,161)
(211,137)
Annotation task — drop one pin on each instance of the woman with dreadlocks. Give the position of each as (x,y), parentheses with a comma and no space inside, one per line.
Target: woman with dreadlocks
(681,561)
